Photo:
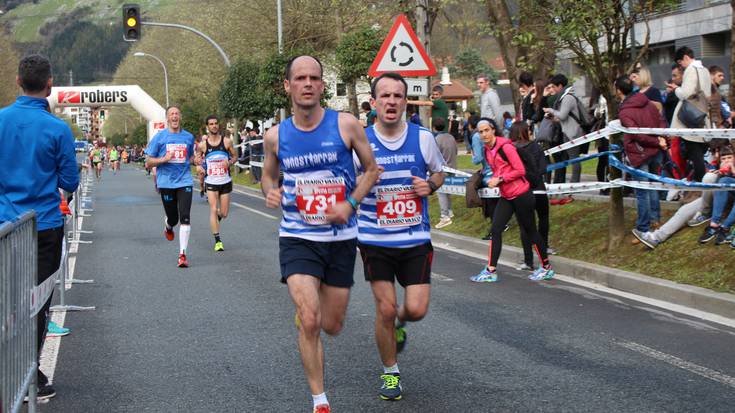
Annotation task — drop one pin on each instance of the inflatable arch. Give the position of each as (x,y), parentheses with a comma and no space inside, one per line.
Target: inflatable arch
(94,96)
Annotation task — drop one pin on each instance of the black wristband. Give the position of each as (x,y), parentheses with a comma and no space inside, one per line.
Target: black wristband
(433,186)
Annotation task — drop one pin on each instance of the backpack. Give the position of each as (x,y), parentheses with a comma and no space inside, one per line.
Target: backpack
(533,176)
(585,121)
(550,132)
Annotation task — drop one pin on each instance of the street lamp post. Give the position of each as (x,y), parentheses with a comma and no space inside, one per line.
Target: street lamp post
(165,73)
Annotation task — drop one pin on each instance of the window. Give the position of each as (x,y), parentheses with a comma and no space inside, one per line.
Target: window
(341,89)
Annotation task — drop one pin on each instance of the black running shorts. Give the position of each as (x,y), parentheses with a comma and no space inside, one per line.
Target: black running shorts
(332,262)
(222,189)
(407,265)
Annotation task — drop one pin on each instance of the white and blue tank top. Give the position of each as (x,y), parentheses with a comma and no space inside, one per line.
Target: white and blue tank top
(217,161)
(318,172)
(392,214)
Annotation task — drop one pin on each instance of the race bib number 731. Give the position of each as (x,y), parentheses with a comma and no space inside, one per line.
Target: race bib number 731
(315,196)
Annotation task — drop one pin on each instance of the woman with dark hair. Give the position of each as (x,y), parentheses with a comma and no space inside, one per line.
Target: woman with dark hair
(535,163)
(478,158)
(509,176)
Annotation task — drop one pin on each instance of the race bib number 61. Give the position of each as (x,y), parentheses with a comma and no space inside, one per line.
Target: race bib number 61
(398,206)
(315,196)
(177,151)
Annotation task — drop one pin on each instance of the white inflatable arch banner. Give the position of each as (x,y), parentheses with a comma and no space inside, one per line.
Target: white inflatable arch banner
(95,96)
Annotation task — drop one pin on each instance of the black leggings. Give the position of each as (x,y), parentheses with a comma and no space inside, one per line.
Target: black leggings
(523,207)
(695,154)
(176,204)
(542,211)
(49,258)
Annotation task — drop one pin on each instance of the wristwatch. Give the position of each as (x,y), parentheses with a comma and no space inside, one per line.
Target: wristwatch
(500,179)
(433,186)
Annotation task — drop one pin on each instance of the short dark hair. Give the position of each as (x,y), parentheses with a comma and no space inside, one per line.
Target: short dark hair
(483,76)
(287,72)
(726,150)
(559,79)
(365,106)
(438,124)
(683,51)
(210,117)
(473,121)
(624,85)
(389,75)
(437,88)
(525,79)
(716,69)
(675,66)
(171,107)
(34,72)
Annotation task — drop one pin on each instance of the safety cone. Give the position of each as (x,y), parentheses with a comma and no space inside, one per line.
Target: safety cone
(64,206)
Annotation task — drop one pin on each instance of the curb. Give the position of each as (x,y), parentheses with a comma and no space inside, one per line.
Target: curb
(698,298)
(702,299)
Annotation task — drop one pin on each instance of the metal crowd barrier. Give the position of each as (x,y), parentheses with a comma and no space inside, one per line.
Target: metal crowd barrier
(18,274)
(73,237)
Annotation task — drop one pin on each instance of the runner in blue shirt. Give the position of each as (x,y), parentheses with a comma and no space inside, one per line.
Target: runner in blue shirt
(170,152)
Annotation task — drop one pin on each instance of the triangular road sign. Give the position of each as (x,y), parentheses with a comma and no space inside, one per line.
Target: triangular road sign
(402,53)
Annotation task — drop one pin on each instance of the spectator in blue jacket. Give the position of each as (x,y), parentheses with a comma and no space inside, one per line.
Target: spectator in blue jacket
(36,159)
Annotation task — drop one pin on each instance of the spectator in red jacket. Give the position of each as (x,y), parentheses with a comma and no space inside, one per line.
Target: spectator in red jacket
(644,152)
(516,197)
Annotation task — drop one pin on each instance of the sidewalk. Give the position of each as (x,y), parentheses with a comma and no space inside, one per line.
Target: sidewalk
(697,298)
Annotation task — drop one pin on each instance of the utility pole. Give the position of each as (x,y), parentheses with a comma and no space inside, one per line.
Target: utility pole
(422,23)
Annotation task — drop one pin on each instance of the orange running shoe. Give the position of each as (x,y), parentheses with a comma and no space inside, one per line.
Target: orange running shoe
(183,263)
(322,408)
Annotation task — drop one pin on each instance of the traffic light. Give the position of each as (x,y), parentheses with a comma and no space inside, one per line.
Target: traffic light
(131,22)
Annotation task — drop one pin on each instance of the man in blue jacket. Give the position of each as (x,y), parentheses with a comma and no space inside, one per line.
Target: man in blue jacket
(36,159)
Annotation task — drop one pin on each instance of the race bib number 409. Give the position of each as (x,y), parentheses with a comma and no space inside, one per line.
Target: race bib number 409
(218,168)
(177,151)
(398,206)
(315,196)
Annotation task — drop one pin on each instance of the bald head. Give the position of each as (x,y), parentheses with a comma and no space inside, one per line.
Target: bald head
(303,61)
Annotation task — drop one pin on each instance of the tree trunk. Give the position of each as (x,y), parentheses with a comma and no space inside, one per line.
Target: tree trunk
(499,15)
(352,97)
(732,58)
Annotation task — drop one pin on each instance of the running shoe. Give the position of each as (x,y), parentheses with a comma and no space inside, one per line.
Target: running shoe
(443,222)
(523,267)
(698,219)
(646,238)
(44,392)
(322,408)
(167,232)
(709,234)
(401,336)
(183,263)
(218,246)
(391,388)
(542,274)
(723,236)
(55,331)
(485,276)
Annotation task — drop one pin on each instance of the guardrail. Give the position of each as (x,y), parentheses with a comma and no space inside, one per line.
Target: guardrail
(18,274)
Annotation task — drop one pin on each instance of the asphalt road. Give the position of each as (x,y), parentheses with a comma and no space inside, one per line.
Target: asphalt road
(219,336)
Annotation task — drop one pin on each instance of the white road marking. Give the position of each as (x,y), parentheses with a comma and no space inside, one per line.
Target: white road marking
(239,191)
(440,277)
(680,363)
(714,318)
(255,211)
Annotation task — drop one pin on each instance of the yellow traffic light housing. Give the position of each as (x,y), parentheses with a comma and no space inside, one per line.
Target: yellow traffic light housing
(131,22)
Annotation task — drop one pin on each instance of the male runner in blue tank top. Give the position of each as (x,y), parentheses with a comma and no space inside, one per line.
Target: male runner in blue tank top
(393,226)
(217,153)
(170,151)
(319,196)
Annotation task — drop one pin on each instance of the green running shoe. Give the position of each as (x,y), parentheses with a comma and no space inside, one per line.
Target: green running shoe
(218,246)
(401,337)
(391,388)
